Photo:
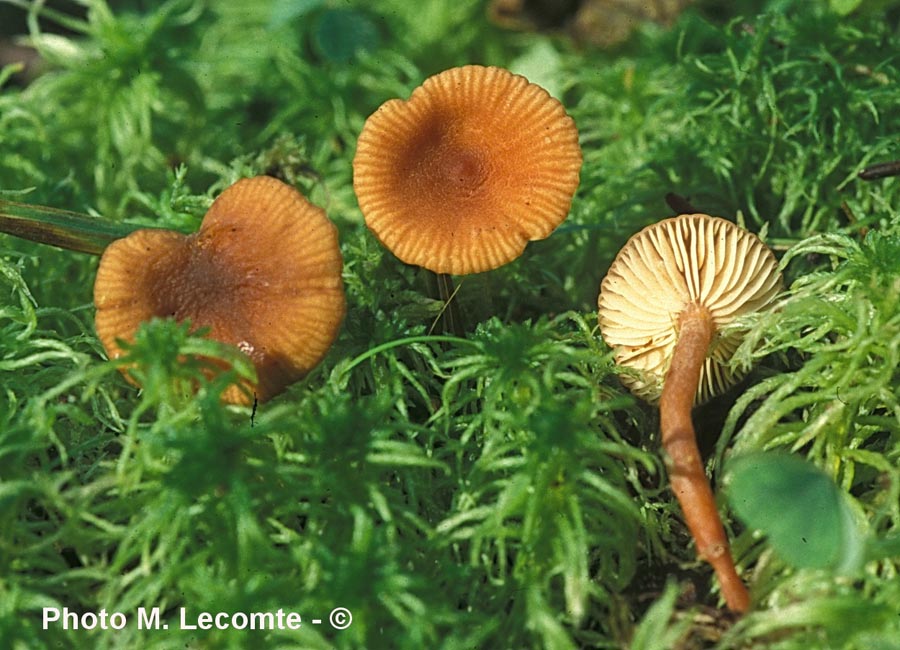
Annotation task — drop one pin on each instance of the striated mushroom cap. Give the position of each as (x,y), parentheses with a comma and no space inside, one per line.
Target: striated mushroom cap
(459,178)
(263,273)
(688,259)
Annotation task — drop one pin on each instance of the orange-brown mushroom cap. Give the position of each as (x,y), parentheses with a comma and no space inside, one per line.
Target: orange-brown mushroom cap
(459,178)
(688,259)
(263,273)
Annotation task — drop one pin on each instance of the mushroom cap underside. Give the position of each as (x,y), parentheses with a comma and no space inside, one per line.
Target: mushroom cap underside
(687,259)
(263,273)
(460,177)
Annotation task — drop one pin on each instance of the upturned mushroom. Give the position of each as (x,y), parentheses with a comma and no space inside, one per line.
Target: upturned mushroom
(263,273)
(663,305)
(460,177)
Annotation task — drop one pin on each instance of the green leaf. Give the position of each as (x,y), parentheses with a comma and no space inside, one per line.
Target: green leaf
(63,228)
(804,514)
(284,11)
(844,7)
(341,33)
(541,64)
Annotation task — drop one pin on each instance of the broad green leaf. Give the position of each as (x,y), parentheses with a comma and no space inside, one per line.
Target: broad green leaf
(284,11)
(341,33)
(844,7)
(541,65)
(804,514)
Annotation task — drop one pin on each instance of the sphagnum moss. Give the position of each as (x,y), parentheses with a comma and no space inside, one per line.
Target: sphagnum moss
(496,493)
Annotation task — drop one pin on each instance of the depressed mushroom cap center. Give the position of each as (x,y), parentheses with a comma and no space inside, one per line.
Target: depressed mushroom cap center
(198,282)
(464,170)
(443,168)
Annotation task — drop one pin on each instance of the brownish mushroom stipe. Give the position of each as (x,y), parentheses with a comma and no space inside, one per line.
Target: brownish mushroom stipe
(684,464)
(459,178)
(263,273)
(662,306)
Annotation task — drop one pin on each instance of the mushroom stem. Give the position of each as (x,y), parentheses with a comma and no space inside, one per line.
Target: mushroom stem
(440,287)
(452,316)
(70,230)
(685,466)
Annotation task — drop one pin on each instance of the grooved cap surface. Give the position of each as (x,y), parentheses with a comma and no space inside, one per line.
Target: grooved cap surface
(459,178)
(263,273)
(687,259)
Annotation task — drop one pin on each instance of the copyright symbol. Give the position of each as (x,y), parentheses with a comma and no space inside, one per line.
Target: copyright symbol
(340,618)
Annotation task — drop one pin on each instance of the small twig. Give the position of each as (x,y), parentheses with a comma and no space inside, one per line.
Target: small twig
(680,204)
(880,170)
(866,71)
(848,212)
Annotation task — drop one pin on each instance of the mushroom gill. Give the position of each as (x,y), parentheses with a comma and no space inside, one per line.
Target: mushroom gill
(687,259)
(662,307)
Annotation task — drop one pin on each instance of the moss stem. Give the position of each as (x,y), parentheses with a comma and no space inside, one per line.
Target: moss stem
(685,466)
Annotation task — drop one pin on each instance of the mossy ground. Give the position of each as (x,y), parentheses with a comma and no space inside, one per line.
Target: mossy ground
(495,491)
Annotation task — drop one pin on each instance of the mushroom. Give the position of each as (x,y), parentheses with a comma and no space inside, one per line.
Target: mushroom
(663,305)
(263,273)
(459,178)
